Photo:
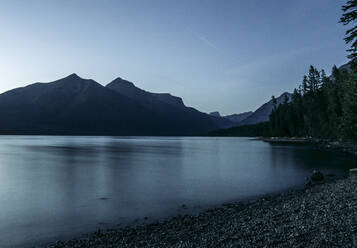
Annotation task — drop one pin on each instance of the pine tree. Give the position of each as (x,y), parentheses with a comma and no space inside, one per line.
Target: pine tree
(350,86)
(331,90)
(305,88)
(314,80)
(349,108)
(350,16)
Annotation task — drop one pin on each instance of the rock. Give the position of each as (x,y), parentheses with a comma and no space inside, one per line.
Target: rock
(308,182)
(353,174)
(317,176)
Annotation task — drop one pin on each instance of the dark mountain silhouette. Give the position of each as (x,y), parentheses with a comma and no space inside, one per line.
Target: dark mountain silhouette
(263,112)
(130,90)
(221,121)
(171,109)
(258,116)
(346,67)
(237,118)
(73,105)
(234,118)
(215,113)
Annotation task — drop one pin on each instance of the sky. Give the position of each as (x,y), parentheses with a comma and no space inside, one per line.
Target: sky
(229,56)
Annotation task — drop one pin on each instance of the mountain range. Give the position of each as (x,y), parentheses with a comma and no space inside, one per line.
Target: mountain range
(77,106)
(258,116)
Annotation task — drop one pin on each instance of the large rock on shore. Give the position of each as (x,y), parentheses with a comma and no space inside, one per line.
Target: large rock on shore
(317,176)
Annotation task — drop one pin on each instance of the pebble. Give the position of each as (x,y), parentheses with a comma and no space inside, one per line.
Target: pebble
(323,215)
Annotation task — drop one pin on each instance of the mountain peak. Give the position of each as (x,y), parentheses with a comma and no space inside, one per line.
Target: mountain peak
(128,89)
(285,93)
(75,82)
(118,79)
(122,82)
(73,76)
(282,97)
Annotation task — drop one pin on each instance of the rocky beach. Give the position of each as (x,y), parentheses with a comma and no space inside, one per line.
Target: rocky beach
(323,215)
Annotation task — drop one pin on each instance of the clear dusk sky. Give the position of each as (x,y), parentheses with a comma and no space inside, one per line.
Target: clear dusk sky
(218,55)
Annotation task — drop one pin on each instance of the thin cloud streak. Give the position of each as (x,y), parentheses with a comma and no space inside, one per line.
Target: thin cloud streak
(205,41)
(208,43)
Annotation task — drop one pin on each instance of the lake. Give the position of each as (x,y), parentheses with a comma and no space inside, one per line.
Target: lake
(55,187)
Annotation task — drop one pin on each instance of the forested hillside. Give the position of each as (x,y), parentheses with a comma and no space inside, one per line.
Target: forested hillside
(322,106)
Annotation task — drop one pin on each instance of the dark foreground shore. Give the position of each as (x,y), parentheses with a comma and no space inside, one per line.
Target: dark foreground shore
(320,216)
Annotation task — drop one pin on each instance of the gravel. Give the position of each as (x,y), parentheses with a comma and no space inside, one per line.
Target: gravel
(323,215)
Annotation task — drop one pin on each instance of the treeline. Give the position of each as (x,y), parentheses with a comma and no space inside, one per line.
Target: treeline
(322,107)
(257,130)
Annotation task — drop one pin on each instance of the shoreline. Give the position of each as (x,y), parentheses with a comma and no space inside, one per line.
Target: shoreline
(126,236)
(349,147)
(110,232)
(182,211)
(320,215)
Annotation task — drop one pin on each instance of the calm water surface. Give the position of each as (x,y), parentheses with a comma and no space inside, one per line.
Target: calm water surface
(54,187)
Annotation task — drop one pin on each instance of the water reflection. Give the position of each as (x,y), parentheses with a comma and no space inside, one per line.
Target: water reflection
(52,186)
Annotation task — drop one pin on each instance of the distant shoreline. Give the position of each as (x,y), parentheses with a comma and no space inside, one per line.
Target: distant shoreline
(321,215)
(349,147)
